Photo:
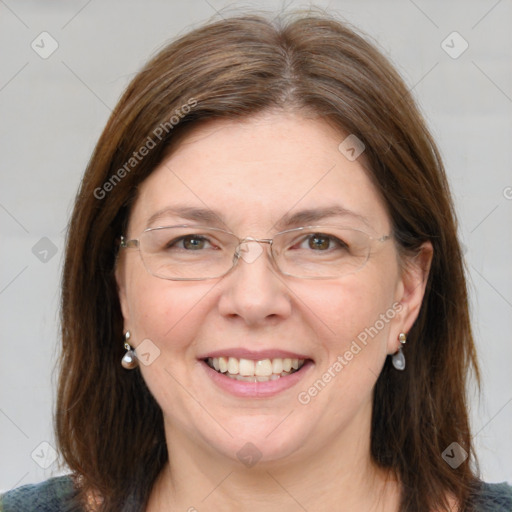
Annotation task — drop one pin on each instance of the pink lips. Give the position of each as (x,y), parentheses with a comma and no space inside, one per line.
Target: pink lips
(256,389)
(241,353)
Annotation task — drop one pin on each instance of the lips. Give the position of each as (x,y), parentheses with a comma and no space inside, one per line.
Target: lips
(255,374)
(243,353)
(250,370)
(256,387)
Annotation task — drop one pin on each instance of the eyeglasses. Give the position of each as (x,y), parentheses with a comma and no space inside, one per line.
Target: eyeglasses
(193,253)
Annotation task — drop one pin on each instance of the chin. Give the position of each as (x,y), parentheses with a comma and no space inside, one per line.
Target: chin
(257,440)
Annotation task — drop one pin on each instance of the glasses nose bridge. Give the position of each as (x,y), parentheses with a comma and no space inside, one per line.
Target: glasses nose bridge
(252,239)
(243,250)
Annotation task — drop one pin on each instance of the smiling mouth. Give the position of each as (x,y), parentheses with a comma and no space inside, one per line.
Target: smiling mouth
(248,370)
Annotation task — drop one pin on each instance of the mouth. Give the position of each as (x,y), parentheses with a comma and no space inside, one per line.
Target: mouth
(250,370)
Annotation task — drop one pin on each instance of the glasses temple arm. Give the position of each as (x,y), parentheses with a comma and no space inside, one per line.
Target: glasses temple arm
(126,244)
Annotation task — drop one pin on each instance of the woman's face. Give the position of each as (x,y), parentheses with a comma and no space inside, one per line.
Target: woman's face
(254,178)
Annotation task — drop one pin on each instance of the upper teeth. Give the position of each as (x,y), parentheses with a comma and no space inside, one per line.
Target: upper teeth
(251,368)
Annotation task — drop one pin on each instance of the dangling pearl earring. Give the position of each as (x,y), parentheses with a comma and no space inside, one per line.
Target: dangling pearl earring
(129,360)
(398,359)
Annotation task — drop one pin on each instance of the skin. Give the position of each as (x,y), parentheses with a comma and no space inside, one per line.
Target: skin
(253,172)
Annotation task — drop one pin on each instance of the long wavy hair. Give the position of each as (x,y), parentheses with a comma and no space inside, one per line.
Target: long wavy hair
(109,427)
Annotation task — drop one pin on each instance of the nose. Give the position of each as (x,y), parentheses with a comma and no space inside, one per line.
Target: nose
(253,291)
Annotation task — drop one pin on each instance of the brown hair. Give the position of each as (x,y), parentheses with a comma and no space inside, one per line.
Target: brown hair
(109,427)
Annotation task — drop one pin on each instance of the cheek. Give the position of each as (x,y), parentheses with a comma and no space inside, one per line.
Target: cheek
(357,310)
(354,320)
(166,312)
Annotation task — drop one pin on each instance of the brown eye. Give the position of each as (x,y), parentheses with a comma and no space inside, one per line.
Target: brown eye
(193,243)
(319,242)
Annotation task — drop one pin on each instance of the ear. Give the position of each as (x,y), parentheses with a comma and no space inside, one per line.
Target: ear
(410,291)
(120,275)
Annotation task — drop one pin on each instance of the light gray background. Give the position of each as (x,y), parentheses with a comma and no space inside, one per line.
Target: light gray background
(53,110)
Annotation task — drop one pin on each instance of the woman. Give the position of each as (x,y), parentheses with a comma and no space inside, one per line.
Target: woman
(264,303)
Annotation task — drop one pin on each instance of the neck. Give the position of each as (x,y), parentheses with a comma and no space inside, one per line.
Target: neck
(341,477)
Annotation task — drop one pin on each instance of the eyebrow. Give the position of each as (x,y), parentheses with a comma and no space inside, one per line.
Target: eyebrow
(312,215)
(204,215)
(300,218)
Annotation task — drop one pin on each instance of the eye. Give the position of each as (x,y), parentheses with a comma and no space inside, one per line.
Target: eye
(322,242)
(319,241)
(189,243)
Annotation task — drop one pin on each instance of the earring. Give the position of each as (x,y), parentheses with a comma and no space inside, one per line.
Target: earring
(129,360)
(398,359)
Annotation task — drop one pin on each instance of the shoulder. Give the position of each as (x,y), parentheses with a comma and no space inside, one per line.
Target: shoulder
(53,495)
(493,498)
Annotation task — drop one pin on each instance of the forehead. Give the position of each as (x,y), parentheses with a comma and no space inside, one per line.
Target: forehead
(255,172)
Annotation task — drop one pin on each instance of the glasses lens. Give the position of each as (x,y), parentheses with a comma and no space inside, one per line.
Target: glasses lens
(196,252)
(187,252)
(321,251)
